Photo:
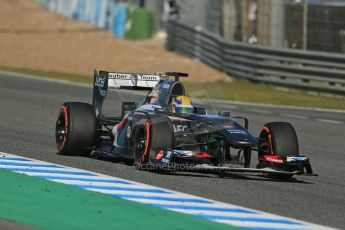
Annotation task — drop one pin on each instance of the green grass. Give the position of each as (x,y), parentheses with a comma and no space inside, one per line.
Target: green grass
(240,90)
(49,205)
(243,90)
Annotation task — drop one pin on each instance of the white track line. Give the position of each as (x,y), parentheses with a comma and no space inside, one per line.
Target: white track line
(259,111)
(143,193)
(294,116)
(330,121)
(259,226)
(230,214)
(263,105)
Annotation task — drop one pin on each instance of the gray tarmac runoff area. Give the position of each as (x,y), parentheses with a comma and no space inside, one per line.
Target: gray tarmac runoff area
(28,110)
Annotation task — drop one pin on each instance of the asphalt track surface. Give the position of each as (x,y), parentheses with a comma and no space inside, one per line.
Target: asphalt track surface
(28,109)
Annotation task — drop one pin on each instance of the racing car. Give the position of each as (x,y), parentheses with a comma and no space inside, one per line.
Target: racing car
(166,131)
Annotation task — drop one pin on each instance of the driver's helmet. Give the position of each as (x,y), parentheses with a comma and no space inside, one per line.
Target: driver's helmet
(181,104)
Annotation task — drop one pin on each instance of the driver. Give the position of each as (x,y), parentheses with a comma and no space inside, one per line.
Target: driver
(181,104)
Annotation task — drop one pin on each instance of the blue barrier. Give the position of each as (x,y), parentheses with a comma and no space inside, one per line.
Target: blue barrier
(108,15)
(71,7)
(45,3)
(53,5)
(97,8)
(82,5)
(87,11)
(66,8)
(119,20)
(77,10)
(102,13)
(60,6)
(92,19)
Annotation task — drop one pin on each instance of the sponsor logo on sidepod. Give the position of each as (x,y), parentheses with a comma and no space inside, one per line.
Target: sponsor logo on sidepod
(180,128)
(236,131)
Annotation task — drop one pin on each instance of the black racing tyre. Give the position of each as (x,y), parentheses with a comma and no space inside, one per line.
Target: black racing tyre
(75,130)
(162,132)
(155,135)
(281,138)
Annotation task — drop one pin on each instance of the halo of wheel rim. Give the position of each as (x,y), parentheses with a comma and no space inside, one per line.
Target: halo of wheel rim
(61,131)
(139,146)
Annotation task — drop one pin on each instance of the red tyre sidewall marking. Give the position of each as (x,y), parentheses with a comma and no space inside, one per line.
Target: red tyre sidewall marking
(269,136)
(147,130)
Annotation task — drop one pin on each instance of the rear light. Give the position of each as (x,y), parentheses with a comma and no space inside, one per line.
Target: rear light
(159,155)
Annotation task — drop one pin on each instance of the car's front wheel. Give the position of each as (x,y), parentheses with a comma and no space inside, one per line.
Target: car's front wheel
(277,139)
(141,143)
(149,139)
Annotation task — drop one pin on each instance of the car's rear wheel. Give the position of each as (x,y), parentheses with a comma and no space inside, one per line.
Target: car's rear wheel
(277,139)
(75,130)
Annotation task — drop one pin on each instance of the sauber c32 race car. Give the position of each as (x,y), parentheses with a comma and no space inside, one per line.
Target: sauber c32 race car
(154,135)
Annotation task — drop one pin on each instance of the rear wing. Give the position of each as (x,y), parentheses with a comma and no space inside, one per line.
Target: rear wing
(133,80)
(104,80)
